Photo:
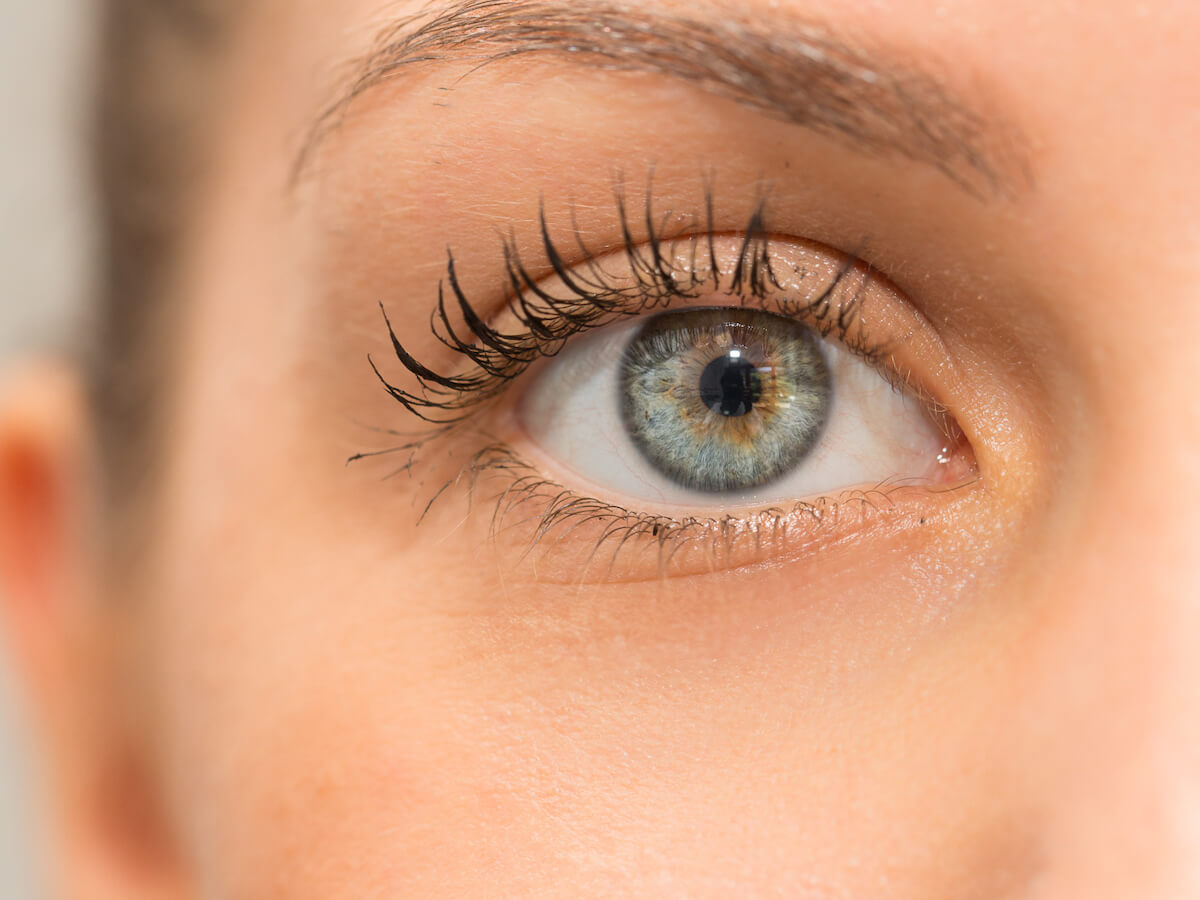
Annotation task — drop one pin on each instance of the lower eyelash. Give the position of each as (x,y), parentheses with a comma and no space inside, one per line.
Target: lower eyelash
(557,512)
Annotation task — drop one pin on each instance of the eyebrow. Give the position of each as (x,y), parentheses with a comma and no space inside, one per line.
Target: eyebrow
(789,69)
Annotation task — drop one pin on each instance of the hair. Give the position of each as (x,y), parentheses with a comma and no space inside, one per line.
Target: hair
(156,82)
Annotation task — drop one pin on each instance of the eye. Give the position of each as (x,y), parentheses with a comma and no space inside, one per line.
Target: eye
(709,397)
(727,406)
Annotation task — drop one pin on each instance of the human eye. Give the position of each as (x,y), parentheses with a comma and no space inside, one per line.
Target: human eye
(687,390)
(712,408)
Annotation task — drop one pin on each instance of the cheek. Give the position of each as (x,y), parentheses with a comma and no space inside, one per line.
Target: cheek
(350,713)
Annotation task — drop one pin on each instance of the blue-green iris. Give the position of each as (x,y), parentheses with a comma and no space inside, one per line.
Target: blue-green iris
(724,399)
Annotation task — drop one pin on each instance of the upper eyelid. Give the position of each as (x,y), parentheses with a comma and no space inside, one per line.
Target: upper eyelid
(792,70)
(498,357)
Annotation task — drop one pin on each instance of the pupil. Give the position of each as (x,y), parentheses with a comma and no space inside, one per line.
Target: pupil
(730,385)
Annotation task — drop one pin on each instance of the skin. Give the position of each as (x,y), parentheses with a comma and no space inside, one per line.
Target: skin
(297,690)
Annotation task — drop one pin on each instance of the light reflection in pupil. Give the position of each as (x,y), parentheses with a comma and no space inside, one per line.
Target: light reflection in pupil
(730,385)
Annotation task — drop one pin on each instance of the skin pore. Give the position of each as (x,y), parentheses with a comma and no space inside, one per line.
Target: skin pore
(313,679)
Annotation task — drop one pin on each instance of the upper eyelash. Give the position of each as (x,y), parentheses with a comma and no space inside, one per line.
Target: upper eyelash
(593,298)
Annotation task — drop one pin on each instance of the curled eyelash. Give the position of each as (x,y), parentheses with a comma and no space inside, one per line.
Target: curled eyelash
(590,297)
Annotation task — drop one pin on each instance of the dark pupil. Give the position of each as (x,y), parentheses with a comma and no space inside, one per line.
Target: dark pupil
(730,385)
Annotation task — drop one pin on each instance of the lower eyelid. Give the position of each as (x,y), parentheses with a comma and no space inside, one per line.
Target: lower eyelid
(561,536)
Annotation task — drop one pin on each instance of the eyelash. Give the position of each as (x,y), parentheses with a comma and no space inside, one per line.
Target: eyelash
(596,299)
(561,512)
(493,359)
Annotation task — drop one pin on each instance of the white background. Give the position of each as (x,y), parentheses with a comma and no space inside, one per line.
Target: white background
(45,54)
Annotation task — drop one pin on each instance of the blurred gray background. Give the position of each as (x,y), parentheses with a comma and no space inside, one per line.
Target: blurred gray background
(45,54)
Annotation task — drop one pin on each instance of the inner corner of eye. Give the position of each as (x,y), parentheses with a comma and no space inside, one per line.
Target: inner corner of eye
(714,408)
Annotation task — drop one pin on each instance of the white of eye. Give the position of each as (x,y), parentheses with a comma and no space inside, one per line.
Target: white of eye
(874,434)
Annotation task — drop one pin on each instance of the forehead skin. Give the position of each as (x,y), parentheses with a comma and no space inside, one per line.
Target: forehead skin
(349,704)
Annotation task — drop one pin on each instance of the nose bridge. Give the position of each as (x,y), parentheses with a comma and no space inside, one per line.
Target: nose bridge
(1124,818)
(1116,659)
(1124,814)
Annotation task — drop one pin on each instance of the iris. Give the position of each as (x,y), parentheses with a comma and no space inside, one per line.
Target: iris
(724,399)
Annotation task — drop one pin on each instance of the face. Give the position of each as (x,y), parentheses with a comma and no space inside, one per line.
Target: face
(791,496)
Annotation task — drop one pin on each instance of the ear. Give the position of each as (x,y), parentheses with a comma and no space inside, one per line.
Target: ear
(107,833)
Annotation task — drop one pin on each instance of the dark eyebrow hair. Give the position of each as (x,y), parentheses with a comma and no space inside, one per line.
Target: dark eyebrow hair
(792,70)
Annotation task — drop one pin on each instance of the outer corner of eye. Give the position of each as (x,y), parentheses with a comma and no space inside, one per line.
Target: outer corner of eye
(707,410)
